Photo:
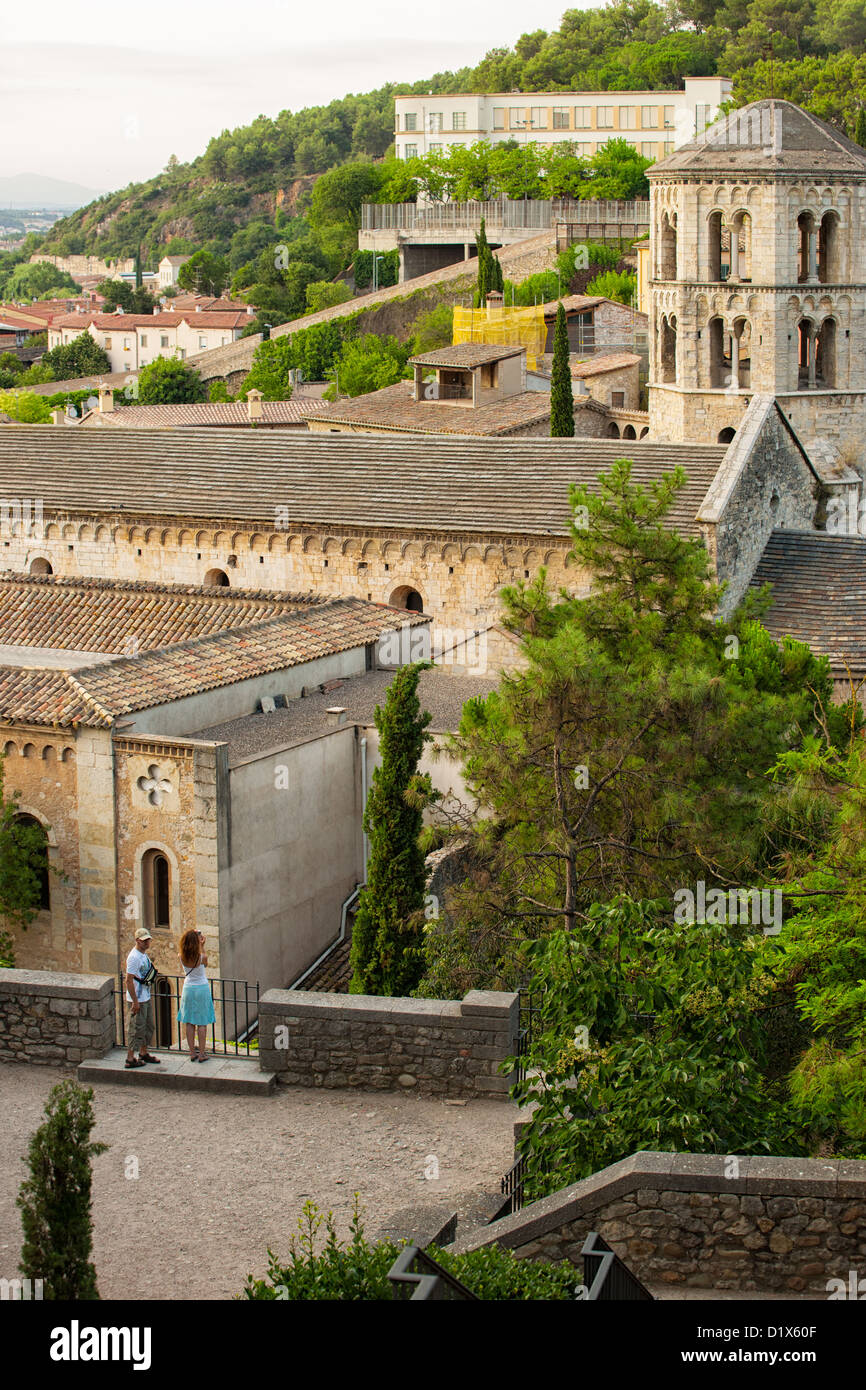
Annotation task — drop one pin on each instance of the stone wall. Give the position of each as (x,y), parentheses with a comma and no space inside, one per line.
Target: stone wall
(436,1047)
(706,1221)
(51,1018)
(765,482)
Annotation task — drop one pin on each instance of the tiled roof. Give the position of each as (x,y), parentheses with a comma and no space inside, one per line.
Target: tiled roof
(217,413)
(611,362)
(766,136)
(572,304)
(98,694)
(102,615)
(182,303)
(507,487)
(165,319)
(395,408)
(467,355)
(819,593)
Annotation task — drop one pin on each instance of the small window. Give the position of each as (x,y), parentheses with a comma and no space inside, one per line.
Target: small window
(702,117)
(126,345)
(143,340)
(560,118)
(516,117)
(458,120)
(538,117)
(627,118)
(648,151)
(156,890)
(202,340)
(435,119)
(669,118)
(604,117)
(106,343)
(411,120)
(582,117)
(411,152)
(499,118)
(617,400)
(163,340)
(669,146)
(585,149)
(649,117)
(434,145)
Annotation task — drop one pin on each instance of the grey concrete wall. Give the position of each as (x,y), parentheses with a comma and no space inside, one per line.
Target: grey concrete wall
(232,701)
(433,1046)
(706,1221)
(294,855)
(52,1018)
(419,259)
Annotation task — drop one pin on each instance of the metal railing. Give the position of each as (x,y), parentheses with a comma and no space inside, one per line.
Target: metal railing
(606,1277)
(416,1276)
(236,1012)
(505,213)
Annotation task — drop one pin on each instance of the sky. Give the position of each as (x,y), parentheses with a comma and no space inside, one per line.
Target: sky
(111,91)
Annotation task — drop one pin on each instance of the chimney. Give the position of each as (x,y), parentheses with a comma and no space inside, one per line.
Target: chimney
(118,308)
(58,415)
(156,308)
(254,404)
(106,400)
(251,311)
(336,715)
(198,308)
(495,300)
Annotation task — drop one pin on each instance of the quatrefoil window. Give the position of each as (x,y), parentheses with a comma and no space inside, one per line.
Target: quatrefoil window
(155,788)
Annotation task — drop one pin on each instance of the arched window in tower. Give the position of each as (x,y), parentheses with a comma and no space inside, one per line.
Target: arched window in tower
(741,355)
(829,269)
(825,355)
(727,434)
(740,247)
(668,348)
(806,355)
(715,245)
(40,861)
(807,248)
(40,566)
(408,598)
(156,890)
(720,355)
(216,579)
(668,259)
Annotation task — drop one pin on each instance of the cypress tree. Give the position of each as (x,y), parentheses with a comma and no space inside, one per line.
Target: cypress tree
(860,127)
(55,1199)
(561,396)
(496,280)
(483,284)
(387,939)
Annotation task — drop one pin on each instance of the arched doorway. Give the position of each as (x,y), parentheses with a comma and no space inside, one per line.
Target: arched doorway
(408,598)
(613,430)
(37,839)
(726,435)
(216,579)
(629,432)
(40,566)
(156,890)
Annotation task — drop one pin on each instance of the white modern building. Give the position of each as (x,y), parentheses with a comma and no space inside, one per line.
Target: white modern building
(656,123)
(133,340)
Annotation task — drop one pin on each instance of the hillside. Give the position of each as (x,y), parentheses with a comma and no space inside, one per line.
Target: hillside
(259,176)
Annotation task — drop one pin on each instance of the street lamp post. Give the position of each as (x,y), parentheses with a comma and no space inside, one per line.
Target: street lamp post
(376,260)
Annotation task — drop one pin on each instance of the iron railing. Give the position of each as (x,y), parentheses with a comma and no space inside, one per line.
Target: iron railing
(416,1276)
(506,213)
(606,1277)
(236,1012)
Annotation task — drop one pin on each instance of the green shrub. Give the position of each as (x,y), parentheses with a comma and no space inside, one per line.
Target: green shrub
(614,284)
(387,274)
(357,1271)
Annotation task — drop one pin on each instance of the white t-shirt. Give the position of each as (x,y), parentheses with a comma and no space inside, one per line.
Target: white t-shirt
(136,964)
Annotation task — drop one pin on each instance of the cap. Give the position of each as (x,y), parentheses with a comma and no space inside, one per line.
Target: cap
(142,934)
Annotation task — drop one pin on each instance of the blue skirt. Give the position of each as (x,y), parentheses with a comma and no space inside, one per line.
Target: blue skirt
(196,1005)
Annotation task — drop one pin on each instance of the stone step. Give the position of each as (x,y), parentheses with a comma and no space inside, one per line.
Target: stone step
(231,1075)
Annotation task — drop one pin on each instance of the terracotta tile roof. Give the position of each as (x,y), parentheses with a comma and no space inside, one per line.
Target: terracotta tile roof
(467,355)
(96,695)
(611,362)
(395,408)
(572,304)
(101,615)
(215,414)
(165,319)
(819,593)
(182,303)
(506,487)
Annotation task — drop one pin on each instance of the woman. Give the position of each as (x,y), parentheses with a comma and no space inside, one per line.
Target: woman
(196,1004)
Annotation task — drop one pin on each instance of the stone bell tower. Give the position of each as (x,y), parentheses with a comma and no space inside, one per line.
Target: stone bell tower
(758,278)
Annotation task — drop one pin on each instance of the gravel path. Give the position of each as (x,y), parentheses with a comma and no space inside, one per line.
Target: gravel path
(223,1177)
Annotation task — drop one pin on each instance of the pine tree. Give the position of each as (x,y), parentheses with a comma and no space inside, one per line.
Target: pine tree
(561,397)
(387,947)
(55,1199)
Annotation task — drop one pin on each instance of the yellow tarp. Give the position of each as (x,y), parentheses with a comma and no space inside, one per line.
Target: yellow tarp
(510,326)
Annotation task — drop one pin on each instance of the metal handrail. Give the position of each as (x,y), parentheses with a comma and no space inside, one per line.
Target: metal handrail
(541,213)
(434,1283)
(606,1277)
(236,1010)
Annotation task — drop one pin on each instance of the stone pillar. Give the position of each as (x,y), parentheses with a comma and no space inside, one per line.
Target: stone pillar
(813,255)
(811,351)
(735,357)
(735,255)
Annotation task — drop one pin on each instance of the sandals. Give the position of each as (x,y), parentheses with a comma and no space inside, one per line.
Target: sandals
(133,1062)
(149,1057)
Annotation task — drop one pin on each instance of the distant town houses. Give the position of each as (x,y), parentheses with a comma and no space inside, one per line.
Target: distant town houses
(133,340)
(169,269)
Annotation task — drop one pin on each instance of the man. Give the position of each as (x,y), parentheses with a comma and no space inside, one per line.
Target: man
(140,1025)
